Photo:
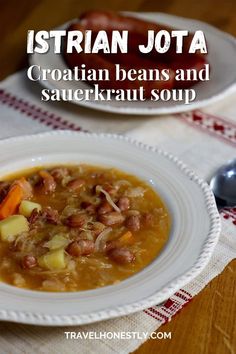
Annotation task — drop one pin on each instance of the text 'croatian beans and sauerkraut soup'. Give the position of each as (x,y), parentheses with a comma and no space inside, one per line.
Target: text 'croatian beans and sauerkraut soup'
(72,228)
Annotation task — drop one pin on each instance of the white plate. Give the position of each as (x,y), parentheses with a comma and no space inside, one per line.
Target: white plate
(222,53)
(195,228)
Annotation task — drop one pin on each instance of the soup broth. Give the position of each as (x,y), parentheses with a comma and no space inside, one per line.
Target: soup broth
(72,228)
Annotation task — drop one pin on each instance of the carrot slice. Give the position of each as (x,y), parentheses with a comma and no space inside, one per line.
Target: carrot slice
(11,201)
(25,186)
(127,238)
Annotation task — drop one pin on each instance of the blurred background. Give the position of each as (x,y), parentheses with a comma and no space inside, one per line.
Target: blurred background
(18,16)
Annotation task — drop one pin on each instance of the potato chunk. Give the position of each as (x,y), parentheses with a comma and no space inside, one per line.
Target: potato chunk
(53,260)
(26,207)
(58,241)
(13,226)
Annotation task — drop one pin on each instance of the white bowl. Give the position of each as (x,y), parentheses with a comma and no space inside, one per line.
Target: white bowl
(194,233)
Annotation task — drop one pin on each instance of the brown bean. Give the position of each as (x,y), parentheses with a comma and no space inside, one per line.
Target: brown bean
(29,262)
(80,248)
(76,183)
(51,215)
(77,220)
(87,247)
(73,249)
(133,223)
(58,173)
(113,218)
(121,255)
(123,203)
(104,208)
(49,183)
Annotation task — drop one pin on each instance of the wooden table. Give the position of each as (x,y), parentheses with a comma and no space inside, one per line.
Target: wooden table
(208,324)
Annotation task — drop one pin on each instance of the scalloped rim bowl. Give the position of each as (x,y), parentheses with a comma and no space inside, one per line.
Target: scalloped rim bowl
(194,233)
